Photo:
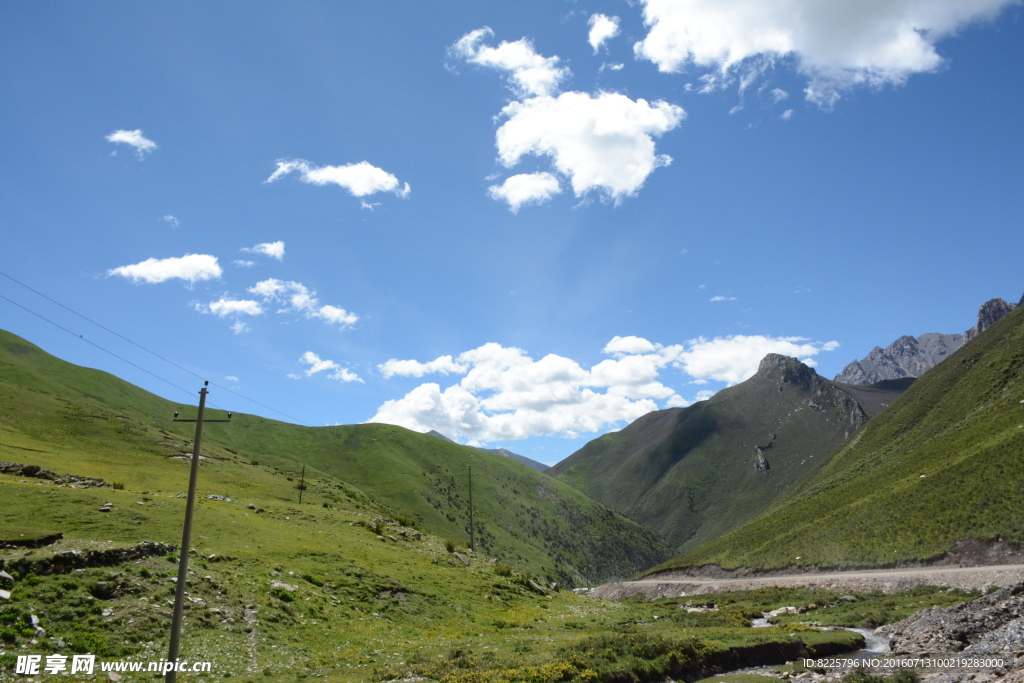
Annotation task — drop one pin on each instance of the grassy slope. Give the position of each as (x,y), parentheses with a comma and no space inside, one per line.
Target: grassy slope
(943,463)
(689,473)
(364,608)
(522,516)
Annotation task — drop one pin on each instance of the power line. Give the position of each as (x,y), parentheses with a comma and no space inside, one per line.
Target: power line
(82,337)
(140,346)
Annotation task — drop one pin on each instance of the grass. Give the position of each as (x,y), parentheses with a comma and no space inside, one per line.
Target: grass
(72,419)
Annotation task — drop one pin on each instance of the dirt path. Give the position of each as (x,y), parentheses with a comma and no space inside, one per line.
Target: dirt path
(671,585)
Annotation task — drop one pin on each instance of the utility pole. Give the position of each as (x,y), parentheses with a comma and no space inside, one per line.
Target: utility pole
(471,507)
(302,484)
(186,536)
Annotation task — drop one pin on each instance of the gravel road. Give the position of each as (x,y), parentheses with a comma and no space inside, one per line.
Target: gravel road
(670,585)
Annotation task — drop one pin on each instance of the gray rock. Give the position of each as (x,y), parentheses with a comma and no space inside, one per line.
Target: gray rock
(940,631)
(5,595)
(990,312)
(463,558)
(281,584)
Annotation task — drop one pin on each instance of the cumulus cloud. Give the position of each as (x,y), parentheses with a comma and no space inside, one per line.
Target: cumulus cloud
(504,394)
(525,188)
(296,297)
(272,249)
(190,268)
(602,29)
(317,364)
(359,179)
(528,72)
(836,45)
(135,139)
(603,142)
(411,368)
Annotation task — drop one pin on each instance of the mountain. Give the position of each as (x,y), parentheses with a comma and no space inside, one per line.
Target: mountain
(694,473)
(906,357)
(64,415)
(941,465)
(913,356)
(503,452)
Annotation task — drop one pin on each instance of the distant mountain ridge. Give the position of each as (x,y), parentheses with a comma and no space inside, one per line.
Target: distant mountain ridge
(694,473)
(503,452)
(913,356)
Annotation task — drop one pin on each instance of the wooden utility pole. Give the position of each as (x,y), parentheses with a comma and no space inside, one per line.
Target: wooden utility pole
(471,507)
(186,536)
(302,484)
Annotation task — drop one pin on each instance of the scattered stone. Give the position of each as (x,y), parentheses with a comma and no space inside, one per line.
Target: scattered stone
(5,595)
(847,598)
(219,497)
(393,538)
(462,558)
(251,506)
(4,576)
(281,584)
(105,508)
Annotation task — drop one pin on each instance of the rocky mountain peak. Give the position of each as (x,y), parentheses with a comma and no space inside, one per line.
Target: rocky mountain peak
(989,313)
(786,369)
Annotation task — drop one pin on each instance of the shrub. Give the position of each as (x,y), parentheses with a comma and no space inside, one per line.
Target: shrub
(117,485)
(449,545)
(502,569)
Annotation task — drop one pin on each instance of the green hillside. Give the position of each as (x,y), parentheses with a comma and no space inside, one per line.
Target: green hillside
(346,586)
(944,462)
(693,474)
(521,516)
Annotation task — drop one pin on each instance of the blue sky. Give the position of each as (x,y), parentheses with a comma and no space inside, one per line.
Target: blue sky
(521,224)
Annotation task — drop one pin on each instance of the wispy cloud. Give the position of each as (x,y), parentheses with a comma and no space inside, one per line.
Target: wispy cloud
(360,179)
(171,219)
(135,139)
(190,268)
(272,249)
(317,365)
(529,73)
(298,298)
(723,298)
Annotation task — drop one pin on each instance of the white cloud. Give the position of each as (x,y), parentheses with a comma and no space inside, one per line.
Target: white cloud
(239,327)
(190,267)
(135,139)
(172,220)
(224,307)
(735,358)
(297,297)
(778,94)
(317,364)
(272,249)
(359,179)
(723,298)
(525,188)
(231,378)
(786,115)
(611,66)
(603,142)
(412,368)
(836,45)
(529,72)
(243,264)
(602,29)
(505,394)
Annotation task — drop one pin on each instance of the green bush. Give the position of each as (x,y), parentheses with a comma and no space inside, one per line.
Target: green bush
(502,569)
(449,545)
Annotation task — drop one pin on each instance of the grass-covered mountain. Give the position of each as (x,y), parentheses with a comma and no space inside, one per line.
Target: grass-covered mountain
(943,463)
(73,419)
(694,473)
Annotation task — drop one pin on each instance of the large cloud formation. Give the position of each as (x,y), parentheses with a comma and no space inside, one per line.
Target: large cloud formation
(504,394)
(191,268)
(835,44)
(601,143)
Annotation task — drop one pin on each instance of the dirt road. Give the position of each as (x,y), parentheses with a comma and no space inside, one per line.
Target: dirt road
(670,585)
